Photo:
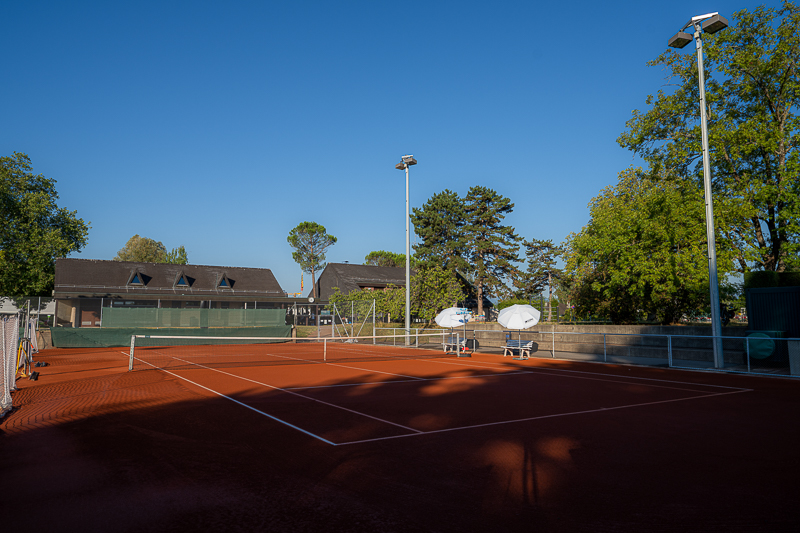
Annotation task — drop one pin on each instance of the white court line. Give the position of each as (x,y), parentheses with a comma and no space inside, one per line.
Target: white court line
(416,432)
(376,371)
(541,417)
(546,371)
(296,394)
(245,405)
(415,380)
(534,371)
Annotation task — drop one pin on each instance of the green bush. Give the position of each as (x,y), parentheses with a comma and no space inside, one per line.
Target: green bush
(508,303)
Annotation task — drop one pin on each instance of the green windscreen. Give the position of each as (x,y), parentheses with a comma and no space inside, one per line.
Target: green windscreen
(107,337)
(116,317)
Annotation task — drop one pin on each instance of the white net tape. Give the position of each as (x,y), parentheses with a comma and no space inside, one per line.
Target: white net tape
(8,358)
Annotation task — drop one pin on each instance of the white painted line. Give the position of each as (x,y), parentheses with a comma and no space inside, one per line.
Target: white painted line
(543,417)
(299,395)
(245,405)
(546,371)
(376,371)
(415,380)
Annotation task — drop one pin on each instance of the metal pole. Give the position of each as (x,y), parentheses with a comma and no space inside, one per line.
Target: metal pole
(408,263)
(716,325)
(669,351)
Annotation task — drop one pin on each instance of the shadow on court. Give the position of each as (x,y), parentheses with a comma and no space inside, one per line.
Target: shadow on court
(144,451)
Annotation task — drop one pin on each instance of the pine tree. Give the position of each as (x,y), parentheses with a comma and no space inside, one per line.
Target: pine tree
(491,247)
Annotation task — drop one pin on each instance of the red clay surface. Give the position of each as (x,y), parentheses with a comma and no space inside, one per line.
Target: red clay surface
(450,444)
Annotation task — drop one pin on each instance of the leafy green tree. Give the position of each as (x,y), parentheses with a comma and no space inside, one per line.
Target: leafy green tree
(146,250)
(433,288)
(310,242)
(439,224)
(643,251)
(143,250)
(753,101)
(178,256)
(511,301)
(491,247)
(385,259)
(34,230)
(543,256)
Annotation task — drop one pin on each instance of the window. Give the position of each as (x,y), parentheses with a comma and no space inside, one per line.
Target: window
(224,282)
(182,281)
(137,279)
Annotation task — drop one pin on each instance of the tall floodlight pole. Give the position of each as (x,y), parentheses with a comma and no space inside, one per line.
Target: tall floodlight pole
(711,23)
(406,162)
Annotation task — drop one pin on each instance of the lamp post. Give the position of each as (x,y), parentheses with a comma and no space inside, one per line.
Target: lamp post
(407,161)
(711,23)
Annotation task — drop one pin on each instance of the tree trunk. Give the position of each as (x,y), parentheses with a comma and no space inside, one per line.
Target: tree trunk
(314,286)
(549,298)
(480,300)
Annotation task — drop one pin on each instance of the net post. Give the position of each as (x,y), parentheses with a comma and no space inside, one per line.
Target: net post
(130,361)
(324,349)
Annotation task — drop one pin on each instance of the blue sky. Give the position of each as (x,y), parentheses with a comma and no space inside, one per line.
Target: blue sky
(220,126)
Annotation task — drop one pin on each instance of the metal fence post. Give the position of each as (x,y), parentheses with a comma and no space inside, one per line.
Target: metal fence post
(669,351)
(747,351)
(605,354)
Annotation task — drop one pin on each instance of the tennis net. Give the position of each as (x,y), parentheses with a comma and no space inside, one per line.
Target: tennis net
(173,351)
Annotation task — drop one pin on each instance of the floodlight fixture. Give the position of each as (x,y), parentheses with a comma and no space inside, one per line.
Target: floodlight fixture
(679,40)
(711,23)
(409,159)
(715,23)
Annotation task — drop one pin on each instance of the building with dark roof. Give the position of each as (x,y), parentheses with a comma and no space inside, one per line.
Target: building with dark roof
(84,287)
(349,278)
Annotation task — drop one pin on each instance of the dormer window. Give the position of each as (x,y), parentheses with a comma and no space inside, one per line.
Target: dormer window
(137,279)
(182,281)
(224,282)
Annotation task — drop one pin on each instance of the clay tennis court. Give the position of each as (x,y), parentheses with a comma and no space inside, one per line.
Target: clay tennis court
(440,443)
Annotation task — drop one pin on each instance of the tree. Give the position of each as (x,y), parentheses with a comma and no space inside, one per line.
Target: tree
(490,246)
(643,251)
(385,259)
(433,288)
(439,224)
(177,256)
(542,271)
(753,101)
(310,242)
(34,230)
(146,250)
